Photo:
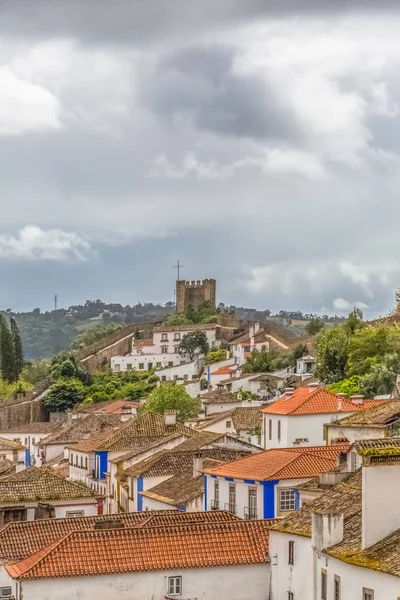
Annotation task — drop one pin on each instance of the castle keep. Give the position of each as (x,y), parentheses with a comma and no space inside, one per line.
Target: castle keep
(194,293)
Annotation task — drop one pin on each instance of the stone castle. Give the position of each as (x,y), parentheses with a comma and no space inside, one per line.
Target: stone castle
(194,293)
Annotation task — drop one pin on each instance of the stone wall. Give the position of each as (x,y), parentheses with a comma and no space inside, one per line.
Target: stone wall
(22,411)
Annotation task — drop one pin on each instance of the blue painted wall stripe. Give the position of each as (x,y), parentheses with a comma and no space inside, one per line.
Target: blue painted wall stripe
(249,481)
(214,476)
(139,496)
(269,499)
(205,492)
(103,456)
(297,499)
(27,458)
(228,478)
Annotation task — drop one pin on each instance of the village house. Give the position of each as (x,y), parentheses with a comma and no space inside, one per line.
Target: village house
(21,539)
(264,486)
(90,460)
(13,452)
(36,493)
(305,366)
(182,371)
(255,339)
(243,422)
(379,421)
(82,426)
(145,361)
(147,474)
(218,401)
(346,543)
(299,417)
(124,407)
(30,435)
(166,338)
(215,560)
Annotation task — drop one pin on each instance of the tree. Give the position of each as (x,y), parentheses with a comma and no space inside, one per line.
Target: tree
(6,352)
(173,397)
(215,356)
(64,394)
(17,348)
(354,321)
(348,386)
(192,343)
(370,344)
(299,351)
(331,354)
(264,361)
(381,378)
(314,326)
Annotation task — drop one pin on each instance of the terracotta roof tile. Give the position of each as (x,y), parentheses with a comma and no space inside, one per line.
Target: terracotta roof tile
(319,401)
(11,444)
(376,416)
(178,490)
(148,549)
(288,463)
(219,397)
(38,427)
(19,540)
(40,485)
(224,371)
(81,428)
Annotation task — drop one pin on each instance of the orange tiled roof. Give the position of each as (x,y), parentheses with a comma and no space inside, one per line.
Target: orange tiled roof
(319,401)
(288,463)
(224,371)
(193,545)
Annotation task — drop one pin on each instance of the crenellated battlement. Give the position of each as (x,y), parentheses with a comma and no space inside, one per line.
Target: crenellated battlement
(194,293)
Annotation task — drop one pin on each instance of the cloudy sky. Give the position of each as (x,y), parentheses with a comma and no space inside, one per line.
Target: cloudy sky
(257,141)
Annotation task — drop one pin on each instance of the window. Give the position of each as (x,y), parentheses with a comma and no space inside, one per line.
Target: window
(76,460)
(81,462)
(86,463)
(117,368)
(290,596)
(232,499)
(228,424)
(176,377)
(163,378)
(171,363)
(324,579)
(33,441)
(279,431)
(270,429)
(336,588)
(129,367)
(149,366)
(74,514)
(177,337)
(71,459)
(251,512)
(174,586)
(164,337)
(158,365)
(26,441)
(15,515)
(141,366)
(287,500)
(164,349)
(176,349)
(368,594)
(185,377)
(5,592)
(291,553)
(216,491)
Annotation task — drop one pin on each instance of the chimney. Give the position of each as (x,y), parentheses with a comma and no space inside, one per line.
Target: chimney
(357,399)
(169,417)
(256,328)
(380,492)
(313,386)
(197,464)
(326,530)
(126,413)
(289,391)
(251,330)
(340,398)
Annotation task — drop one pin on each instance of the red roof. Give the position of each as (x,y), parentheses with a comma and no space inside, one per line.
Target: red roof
(224,371)
(319,401)
(288,463)
(112,551)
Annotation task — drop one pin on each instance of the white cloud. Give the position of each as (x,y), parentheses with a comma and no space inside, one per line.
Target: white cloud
(34,243)
(341,304)
(25,106)
(271,161)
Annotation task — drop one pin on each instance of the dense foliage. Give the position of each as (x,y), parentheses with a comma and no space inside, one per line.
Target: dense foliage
(267,361)
(206,313)
(314,326)
(359,357)
(173,397)
(11,351)
(215,356)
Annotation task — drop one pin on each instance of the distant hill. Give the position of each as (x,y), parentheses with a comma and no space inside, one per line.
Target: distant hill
(45,334)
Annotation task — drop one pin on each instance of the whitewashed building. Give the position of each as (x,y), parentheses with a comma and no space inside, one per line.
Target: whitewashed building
(199,570)
(30,436)
(299,417)
(345,544)
(145,361)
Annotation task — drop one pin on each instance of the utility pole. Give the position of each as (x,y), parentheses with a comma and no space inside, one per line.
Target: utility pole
(55,301)
(178,266)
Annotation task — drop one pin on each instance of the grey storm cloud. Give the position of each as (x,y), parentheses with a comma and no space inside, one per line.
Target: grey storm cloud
(135,21)
(253,144)
(199,84)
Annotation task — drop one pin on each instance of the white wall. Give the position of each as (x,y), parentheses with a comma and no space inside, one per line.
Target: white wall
(380,510)
(121,363)
(50,452)
(355,433)
(183,372)
(174,338)
(298,578)
(242,495)
(27,439)
(211,409)
(247,582)
(89,508)
(221,426)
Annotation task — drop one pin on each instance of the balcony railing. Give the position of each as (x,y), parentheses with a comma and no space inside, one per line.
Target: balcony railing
(214,504)
(250,513)
(230,507)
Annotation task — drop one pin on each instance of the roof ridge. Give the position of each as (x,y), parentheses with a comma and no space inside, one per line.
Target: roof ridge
(40,555)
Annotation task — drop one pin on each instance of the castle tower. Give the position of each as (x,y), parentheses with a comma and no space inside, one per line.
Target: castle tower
(194,293)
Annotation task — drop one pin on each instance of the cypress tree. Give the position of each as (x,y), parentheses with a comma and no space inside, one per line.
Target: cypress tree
(18,349)
(6,352)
